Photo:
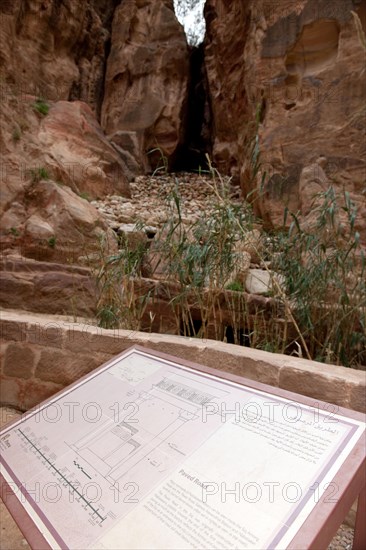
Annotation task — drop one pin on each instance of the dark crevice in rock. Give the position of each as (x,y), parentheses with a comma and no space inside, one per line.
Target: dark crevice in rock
(94,46)
(191,155)
(289,106)
(107,18)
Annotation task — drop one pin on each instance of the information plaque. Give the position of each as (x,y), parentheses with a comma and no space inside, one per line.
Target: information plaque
(153,452)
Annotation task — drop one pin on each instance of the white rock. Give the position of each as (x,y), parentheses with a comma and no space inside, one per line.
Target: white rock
(127,227)
(258,281)
(38,228)
(126,206)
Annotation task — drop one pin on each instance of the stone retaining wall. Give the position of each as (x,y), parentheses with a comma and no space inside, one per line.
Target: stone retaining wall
(42,354)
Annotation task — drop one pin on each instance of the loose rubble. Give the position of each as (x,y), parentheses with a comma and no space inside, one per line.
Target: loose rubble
(151,205)
(151,196)
(343,539)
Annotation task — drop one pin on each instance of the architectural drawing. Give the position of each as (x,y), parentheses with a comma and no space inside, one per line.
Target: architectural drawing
(114,448)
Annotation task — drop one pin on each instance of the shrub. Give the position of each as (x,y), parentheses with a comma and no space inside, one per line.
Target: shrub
(52,242)
(236,286)
(318,306)
(38,174)
(84,195)
(324,269)
(41,106)
(119,304)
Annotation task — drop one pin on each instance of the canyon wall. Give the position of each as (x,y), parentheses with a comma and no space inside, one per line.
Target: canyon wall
(287,91)
(94,92)
(88,89)
(146,85)
(56,49)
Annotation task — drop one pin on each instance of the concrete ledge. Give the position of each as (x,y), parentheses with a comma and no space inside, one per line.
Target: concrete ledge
(40,354)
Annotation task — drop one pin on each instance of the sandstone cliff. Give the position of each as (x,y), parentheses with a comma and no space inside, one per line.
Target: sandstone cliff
(56,49)
(63,65)
(94,92)
(146,85)
(287,81)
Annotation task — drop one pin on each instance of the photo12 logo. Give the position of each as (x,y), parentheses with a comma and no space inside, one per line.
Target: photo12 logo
(273,411)
(270,491)
(53,492)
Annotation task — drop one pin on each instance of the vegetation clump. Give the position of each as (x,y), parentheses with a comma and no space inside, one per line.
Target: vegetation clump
(14,231)
(38,174)
(41,106)
(52,242)
(236,286)
(84,195)
(317,306)
(324,268)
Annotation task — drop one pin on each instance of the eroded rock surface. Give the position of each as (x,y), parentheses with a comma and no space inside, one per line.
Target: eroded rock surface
(54,54)
(146,85)
(41,286)
(78,153)
(56,49)
(226,78)
(50,164)
(287,81)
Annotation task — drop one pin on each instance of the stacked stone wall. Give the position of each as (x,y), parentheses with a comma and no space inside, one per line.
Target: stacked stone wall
(42,354)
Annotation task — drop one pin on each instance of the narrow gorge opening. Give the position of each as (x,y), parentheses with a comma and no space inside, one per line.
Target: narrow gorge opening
(190,14)
(191,155)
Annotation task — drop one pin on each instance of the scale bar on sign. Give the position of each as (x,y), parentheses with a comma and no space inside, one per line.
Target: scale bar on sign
(60,474)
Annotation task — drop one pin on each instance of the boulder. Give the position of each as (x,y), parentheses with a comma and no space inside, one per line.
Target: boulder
(70,216)
(65,144)
(78,153)
(55,223)
(146,84)
(56,162)
(258,281)
(132,237)
(263,281)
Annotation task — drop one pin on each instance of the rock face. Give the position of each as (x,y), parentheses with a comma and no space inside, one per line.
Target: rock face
(225,70)
(286,90)
(146,83)
(48,163)
(78,153)
(54,153)
(136,77)
(287,80)
(46,216)
(54,78)
(43,286)
(56,49)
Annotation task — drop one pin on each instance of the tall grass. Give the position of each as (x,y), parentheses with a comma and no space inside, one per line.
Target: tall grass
(317,306)
(324,267)
(119,304)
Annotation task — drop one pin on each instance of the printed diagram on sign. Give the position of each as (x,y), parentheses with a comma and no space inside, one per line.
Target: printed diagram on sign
(149,433)
(66,478)
(133,370)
